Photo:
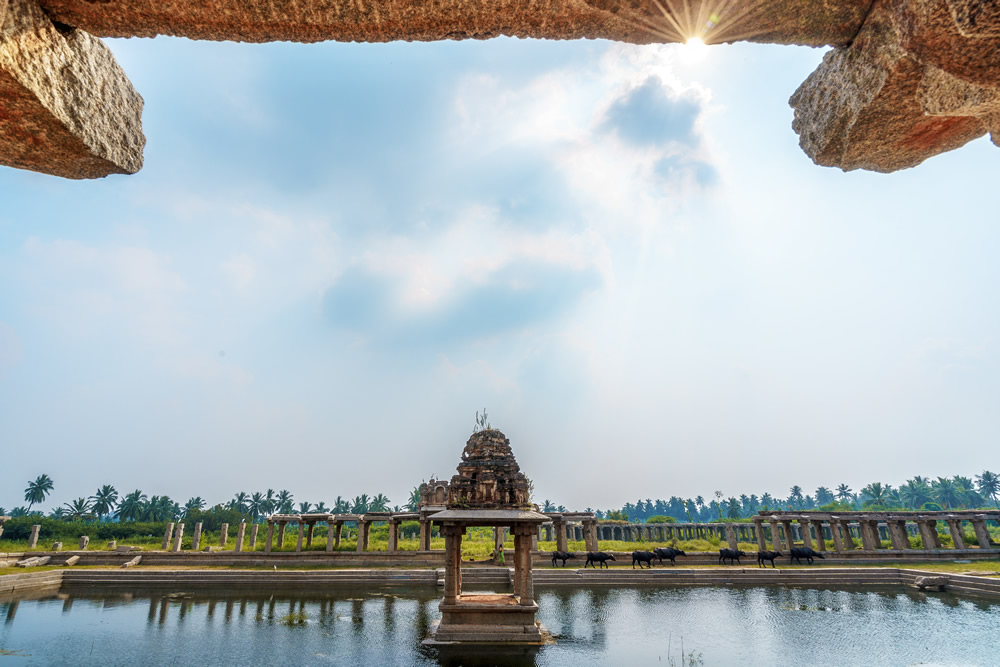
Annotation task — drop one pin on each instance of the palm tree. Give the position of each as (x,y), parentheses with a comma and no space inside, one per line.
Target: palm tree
(304,507)
(875,494)
(196,503)
(19,511)
(256,505)
(946,492)
(699,501)
(796,495)
(915,493)
(131,507)
(414,503)
(239,502)
(733,509)
(844,493)
(78,509)
(988,484)
(3,511)
(824,496)
(284,499)
(767,501)
(57,513)
(380,503)
(547,506)
(341,506)
(104,501)
(360,504)
(269,503)
(38,490)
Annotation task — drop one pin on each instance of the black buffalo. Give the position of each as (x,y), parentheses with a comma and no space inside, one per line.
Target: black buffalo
(799,553)
(732,555)
(643,557)
(561,555)
(669,553)
(766,556)
(599,557)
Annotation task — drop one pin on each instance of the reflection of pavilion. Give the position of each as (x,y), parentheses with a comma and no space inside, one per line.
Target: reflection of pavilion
(489,490)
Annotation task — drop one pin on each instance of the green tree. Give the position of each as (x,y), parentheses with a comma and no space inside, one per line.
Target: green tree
(380,503)
(132,506)
(824,496)
(256,505)
(414,503)
(360,505)
(844,493)
(38,490)
(285,501)
(733,509)
(195,503)
(946,492)
(78,509)
(239,502)
(304,507)
(988,484)
(875,495)
(103,502)
(915,492)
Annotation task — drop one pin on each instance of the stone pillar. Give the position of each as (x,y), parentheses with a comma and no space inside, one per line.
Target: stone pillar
(302,530)
(982,535)
(253,536)
(240,535)
(806,538)
(84,541)
(270,537)
(167,535)
(820,538)
(178,537)
(224,535)
(522,555)
(897,534)
(393,535)
(845,527)
(838,544)
(775,535)
(955,527)
(731,536)
(758,525)
(425,535)
(560,526)
(362,544)
(786,524)
(196,538)
(33,540)
(452,562)
(281,534)
(309,535)
(868,536)
(591,535)
(329,537)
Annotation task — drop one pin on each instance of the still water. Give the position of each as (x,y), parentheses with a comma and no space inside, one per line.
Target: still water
(629,626)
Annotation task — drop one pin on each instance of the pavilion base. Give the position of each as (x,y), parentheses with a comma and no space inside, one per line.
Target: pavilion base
(488,619)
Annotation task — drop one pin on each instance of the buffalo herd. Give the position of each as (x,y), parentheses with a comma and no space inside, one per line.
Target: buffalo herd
(732,556)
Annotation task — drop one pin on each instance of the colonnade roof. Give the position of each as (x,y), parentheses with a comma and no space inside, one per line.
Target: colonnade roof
(884,515)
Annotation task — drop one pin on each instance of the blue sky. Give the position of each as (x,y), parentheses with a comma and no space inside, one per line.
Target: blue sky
(336,253)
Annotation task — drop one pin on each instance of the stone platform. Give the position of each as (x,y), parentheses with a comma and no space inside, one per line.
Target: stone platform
(487,619)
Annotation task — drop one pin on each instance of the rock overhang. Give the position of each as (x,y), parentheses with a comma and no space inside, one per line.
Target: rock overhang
(906,79)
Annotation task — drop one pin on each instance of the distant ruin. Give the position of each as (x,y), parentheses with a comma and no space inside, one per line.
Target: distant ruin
(906,80)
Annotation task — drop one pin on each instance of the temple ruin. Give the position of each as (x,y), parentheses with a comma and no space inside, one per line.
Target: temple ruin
(906,79)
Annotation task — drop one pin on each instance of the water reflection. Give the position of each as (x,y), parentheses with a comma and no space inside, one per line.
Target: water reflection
(592,626)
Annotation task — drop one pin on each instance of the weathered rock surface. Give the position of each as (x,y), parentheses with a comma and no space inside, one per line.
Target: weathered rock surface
(880,106)
(67,107)
(813,22)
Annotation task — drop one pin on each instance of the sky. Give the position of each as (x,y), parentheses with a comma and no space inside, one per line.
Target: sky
(336,254)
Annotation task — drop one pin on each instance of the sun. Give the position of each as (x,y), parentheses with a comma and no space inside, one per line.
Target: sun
(694,43)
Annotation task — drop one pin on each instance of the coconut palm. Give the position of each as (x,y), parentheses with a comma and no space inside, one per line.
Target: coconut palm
(414,503)
(3,511)
(844,493)
(132,506)
(341,506)
(360,505)
(321,508)
(304,507)
(733,509)
(824,496)
(19,511)
(875,494)
(988,484)
(946,492)
(195,503)
(795,494)
(103,502)
(38,490)
(284,501)
(256,505)
(78,509)
(269,502)
(380,503)
(239,502)
(915,492)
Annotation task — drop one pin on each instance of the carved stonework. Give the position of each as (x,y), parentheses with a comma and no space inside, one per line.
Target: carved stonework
(488,476)
(433,493)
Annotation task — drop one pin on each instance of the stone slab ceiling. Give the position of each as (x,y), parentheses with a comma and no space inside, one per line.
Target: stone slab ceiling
(906,79)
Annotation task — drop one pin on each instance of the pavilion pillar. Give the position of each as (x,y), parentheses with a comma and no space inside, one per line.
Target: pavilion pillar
(167,536)
(865,532)
(758,525)
(270,535)
(838,544)
(224,535)
(845,527)
(178,537)
(955,527)
(240,534)
(363,535)
(897,534)
(281,534)
(560,526)
(820,538)
(786,524)
(329,536)
(393,535)
(33,539)
(337,530)
(775,536)
(522,556)
(301,536)
(309,534)
(806,538)
(425,535)
(982,535)
(928,534)
(590,535)
(452,562)
(196,538)
(253,536)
